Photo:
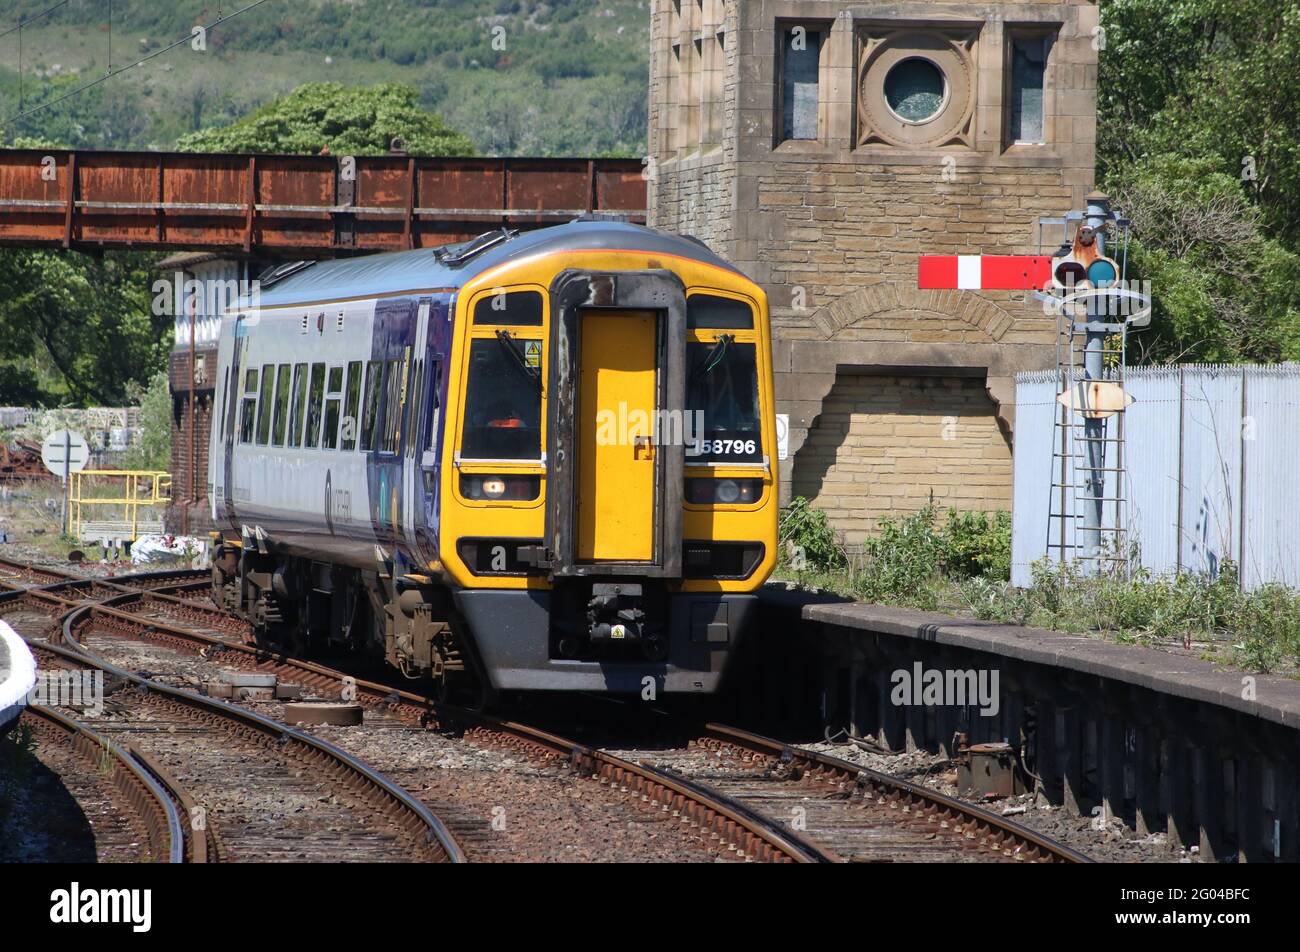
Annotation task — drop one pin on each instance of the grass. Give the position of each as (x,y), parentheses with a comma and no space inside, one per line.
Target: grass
(961,564)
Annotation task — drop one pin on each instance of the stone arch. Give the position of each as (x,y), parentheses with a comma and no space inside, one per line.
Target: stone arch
(964,307)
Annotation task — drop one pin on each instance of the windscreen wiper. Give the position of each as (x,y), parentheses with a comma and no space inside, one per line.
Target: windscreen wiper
(512,348)
(713,358)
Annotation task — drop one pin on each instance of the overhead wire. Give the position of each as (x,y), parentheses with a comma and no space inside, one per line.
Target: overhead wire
(144,59)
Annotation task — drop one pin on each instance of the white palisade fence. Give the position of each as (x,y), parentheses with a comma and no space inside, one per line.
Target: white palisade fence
(1212,453)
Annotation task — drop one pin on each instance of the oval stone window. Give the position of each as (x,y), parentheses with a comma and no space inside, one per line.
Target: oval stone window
(915,89)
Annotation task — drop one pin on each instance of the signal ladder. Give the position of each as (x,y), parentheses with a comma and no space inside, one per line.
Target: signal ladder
(1088,452)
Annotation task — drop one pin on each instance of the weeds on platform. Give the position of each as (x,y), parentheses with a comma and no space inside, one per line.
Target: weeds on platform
(961,563)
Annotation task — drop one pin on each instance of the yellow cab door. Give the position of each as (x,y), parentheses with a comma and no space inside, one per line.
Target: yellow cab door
(617,387)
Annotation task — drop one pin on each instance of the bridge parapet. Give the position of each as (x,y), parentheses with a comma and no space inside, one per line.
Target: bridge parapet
(296,205)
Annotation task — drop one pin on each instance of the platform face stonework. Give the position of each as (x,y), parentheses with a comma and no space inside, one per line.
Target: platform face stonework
(799,139)
(17,675)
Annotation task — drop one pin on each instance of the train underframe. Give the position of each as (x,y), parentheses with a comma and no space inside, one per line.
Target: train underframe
(620,635)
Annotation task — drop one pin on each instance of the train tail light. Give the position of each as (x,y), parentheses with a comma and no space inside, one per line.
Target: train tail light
(727,492)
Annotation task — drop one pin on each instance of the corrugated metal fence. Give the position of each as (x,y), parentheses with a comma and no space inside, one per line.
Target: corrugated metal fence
(1213,469)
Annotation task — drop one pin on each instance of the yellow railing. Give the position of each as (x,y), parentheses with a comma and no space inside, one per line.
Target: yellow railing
(92,516)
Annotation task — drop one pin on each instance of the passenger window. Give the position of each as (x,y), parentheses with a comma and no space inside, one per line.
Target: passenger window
(248,411)
(392,409)
(333,400)
(518,308)
(225,400)
(371,409)
(264,405)
(299,399)
(351,405)
(315,392)
(281,405)
(435,386)
(417,402)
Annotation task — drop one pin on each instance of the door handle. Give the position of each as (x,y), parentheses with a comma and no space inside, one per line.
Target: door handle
(642,442)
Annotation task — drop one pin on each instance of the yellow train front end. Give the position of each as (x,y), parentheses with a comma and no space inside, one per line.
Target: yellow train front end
(608,476)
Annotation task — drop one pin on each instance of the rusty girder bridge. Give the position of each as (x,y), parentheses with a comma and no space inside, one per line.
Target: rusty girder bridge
(295,205)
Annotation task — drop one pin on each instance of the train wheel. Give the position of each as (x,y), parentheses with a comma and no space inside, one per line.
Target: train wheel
(467,682)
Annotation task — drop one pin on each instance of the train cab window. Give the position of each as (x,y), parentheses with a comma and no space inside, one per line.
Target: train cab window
(707,310)
(370,408)
(503,402)
(392,407)
(264,405)
(299,402)
(351,403)
(516,308)
(248,409)
(281,405)
(329,438)
(722,395)
(315,392)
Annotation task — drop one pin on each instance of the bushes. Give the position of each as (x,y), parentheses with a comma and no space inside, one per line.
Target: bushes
(907,557)
(807,539)
(978,543)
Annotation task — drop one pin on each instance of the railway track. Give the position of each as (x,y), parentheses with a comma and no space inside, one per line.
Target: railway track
(135,810)
(718,820)
(856,814)
(748,797)
(279,793)
(276,792)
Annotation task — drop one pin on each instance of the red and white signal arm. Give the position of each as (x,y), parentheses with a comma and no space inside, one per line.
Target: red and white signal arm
(984,272)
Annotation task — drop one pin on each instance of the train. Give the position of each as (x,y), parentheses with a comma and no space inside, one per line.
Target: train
(531,461)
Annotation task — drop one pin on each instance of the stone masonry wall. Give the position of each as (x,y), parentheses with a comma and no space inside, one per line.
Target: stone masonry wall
(888,445)
(832,228)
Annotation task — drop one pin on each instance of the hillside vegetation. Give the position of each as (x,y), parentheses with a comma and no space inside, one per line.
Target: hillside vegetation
(517,77)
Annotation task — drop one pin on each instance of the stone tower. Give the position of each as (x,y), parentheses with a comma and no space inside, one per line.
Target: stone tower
(822,146)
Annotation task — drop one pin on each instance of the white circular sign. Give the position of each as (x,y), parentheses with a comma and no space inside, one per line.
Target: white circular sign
(64,452)
(783,435)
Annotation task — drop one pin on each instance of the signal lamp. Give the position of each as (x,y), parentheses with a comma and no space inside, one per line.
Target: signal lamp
(1102,273)
(1069,273)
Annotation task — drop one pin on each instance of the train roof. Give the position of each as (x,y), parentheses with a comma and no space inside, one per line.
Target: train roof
(396,272)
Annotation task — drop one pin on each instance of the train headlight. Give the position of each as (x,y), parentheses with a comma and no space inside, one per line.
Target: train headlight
(727,492)
(500,488)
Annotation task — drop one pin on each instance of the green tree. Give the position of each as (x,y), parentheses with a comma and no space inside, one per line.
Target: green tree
(76,329)
(1199,142)
(1223,290)
(345,120)
(155,449)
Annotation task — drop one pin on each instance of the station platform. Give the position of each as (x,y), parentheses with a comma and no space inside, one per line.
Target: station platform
(17,676)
